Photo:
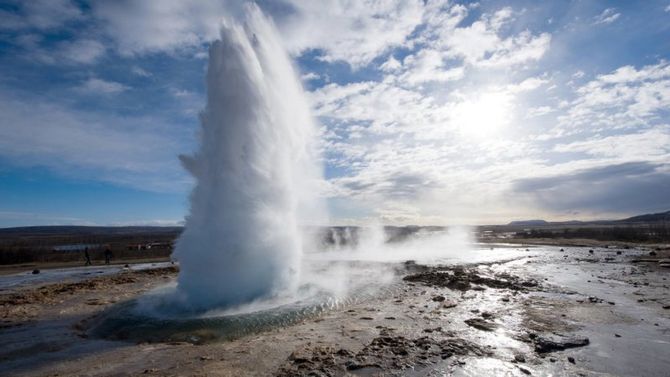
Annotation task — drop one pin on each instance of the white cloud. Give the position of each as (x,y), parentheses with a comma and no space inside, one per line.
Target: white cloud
(139,71)
(390,65)
(139,27)
(355,32)
(625,98)
(309,76)
(99,86)
(480,44)
(84,51)
(428,65)
(130,151)
(608,16)
(538,111)
(40,14)
(647,145)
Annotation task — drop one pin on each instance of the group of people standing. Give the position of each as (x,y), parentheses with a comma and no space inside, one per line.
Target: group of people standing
(87,256)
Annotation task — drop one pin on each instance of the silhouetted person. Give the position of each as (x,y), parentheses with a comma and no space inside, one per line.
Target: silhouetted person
(87,256)
(108,255)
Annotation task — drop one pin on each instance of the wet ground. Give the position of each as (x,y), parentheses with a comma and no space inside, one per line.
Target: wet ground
(512,311)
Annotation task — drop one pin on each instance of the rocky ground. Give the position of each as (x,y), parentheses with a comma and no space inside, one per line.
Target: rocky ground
(561,311)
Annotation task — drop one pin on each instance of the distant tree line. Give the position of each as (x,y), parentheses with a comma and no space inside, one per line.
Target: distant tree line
(23,249)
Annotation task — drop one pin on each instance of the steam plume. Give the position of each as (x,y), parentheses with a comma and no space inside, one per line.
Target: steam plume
(255,172)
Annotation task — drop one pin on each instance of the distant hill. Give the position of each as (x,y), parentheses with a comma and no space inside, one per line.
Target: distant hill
(87,230)
(528,223)
(647,218)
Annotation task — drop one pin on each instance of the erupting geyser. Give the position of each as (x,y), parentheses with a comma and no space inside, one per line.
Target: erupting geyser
(256,172)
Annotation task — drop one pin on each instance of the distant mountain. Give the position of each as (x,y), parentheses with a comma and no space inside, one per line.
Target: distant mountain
(647,218)
(528,223)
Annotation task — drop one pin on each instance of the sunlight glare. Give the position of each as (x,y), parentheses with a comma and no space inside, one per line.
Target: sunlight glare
(483,115)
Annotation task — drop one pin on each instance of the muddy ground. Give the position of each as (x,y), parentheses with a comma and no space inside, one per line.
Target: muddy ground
(560,311)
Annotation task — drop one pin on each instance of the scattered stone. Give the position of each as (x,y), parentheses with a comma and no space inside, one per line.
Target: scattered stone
(519,358)
(487,315)
(36,271)
(618,252)
(437,329)
(524,370)
(366,318)
(390,318)
(591,251)
(481,324)
(571,359)
(384,353)
(558,343)
(652,253)
(595,300)
(617,335)
(462,279)
(439,298)
(449,305)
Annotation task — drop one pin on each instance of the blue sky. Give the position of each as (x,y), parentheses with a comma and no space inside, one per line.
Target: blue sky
(431,112)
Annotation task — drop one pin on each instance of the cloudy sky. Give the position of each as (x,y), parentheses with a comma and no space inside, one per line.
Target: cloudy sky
(431,112)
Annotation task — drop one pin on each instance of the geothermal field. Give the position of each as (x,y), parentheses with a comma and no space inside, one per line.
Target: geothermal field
(260,280)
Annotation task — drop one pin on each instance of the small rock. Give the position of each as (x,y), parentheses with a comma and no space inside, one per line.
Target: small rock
(558,343)
(481,324)
(618,252)
(617,335)
(652,253)
(487,315)
(519,358)
(36,271)
(571,359)
(390,318)
(591,251)
(439,298)
(524,370)
(367,318)
(552,359)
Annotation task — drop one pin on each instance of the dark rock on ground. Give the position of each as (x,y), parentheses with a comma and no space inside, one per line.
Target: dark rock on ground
(385,354)
(462,279)
(544,344)
(481,324)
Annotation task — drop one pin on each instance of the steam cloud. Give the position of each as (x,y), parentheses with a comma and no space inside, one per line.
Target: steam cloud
(256,172)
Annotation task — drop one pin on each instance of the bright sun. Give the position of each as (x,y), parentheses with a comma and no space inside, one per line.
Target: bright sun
(483,115)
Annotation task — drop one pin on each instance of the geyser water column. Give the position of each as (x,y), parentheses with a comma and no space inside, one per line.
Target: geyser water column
(256,171)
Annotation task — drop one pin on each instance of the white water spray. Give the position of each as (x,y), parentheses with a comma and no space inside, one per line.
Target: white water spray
(256,172)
